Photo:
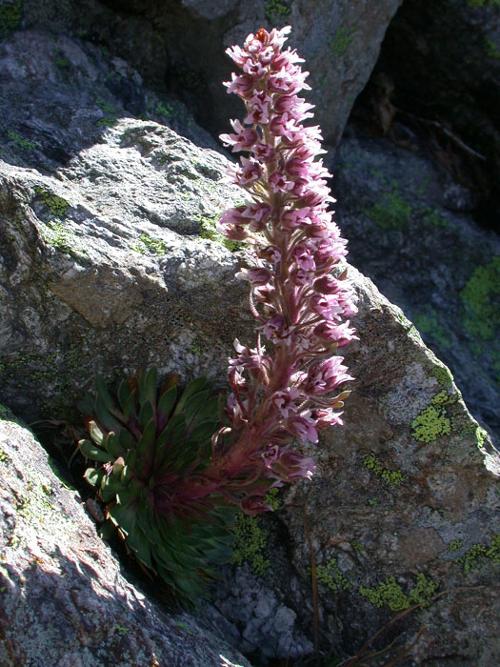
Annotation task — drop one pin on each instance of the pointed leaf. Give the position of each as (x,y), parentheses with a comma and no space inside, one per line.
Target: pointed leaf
(90,451)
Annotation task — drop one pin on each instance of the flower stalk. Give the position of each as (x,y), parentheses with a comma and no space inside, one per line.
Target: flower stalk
(289,386)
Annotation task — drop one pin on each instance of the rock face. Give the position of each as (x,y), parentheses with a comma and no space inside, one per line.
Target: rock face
(105,248)
(102,267)
(339,39)
(451,50)
(409,232)
(63,599)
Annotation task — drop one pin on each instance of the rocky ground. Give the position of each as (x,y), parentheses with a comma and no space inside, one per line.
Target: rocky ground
(109,260)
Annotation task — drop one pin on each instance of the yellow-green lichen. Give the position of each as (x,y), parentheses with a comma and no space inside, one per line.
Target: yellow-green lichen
(250,544)
(392,212)
(443,376)
(455,545)
(390,594)
(149,245)
(20,141)
(428,324)
(431,424)
(276,10)
(390,477)
(56,235)
(480,298)
(58,206)
(341,41)
(434,218)
(478,554)
(207,230)
(4,457)
(332,577)
(481,436)
(11,14)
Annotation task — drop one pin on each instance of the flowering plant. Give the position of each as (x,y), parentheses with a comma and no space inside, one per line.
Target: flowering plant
(298,295)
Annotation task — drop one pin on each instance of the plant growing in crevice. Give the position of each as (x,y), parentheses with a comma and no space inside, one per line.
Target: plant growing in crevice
(170,488)
(146,442)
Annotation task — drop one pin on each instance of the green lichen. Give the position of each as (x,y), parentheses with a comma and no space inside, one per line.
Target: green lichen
(332,577)
(431,424)
(109,111)
(149,245)
(478,554)
(390,477)
(341,41)
(428,324)
(480,297)
(276,10)
(390,594)
(392,212)
(58,206)
(207,230)
(4,457)
(455,545)
(443,376)
(250,544)
(481,436)
(273,499)
(434,218)
(56,235)
(20,141)
(11,14)
(483,3)
(492,49)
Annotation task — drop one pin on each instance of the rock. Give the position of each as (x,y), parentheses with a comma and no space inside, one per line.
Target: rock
(63,598)
(451,50)
(437,264)
(92,244)
(339,39)
(102,267)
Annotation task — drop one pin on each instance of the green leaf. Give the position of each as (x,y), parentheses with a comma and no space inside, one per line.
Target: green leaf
(167,402)
(93,476)
(192,388)
(146,414)
(90,451)
(95,433)
(148,387)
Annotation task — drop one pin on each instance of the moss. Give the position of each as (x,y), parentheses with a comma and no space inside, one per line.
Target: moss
(392,212)
(165,110)
(250,543)
(455,545)
(443,376)
(390,477)
(20,141)
(390,594)
(276,10)
(109,111)
(434,218)
(341,41)
(492,50)
(58,206)
(207,230)
(428,324)
(481,435)
(148,244)
(480,298)
(479,553)
(432,423)
(4,457)
(11,14)
(273,499)
(331,576)
(56,235)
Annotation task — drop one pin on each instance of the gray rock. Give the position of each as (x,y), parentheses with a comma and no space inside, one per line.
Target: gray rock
(183,42)
(112,275)
(438,265)
(64,600)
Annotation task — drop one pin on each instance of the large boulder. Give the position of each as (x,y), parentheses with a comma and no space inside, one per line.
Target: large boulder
(63,598)
(411,231)
(180,44)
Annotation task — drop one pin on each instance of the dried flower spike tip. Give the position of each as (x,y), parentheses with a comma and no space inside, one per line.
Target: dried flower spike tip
(298,294)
